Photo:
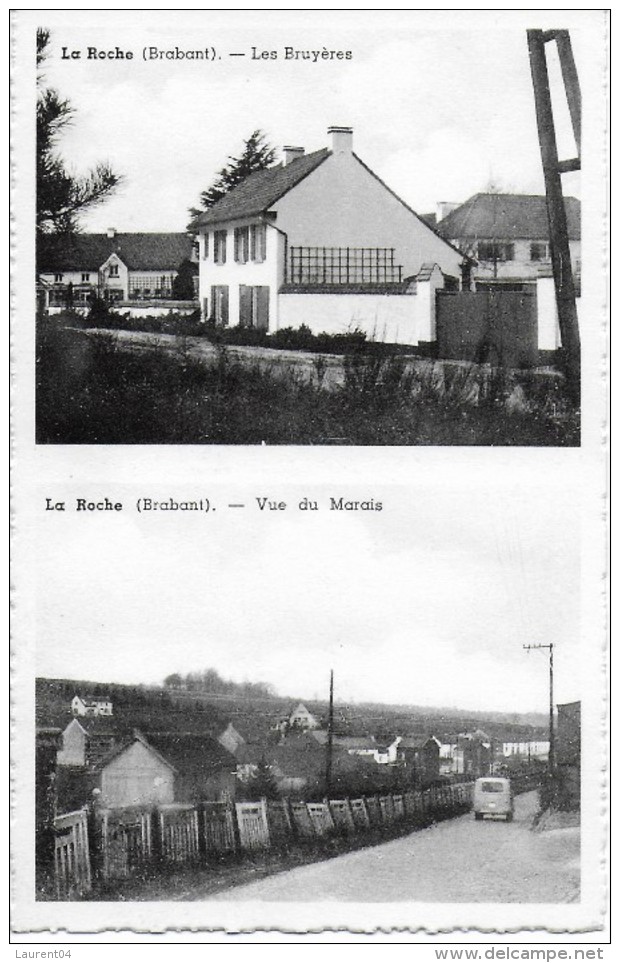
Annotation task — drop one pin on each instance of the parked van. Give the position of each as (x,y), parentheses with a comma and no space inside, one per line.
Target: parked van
(493,797)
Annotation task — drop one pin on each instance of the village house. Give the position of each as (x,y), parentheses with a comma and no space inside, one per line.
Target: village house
(134,774)
(420,756)
(85,742)
(526,750)
(473,754)
(204,769)
(507,236)
(320,240)
(91,705)
(122,268)
(299,719)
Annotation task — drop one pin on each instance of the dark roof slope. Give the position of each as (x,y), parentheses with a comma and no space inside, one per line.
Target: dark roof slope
(192,752)
(258,192)
(87,252)
(506,216)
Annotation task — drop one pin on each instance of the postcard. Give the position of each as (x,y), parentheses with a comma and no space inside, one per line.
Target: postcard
(309,357)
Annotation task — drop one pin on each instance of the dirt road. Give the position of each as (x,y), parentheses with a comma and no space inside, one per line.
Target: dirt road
(458,861)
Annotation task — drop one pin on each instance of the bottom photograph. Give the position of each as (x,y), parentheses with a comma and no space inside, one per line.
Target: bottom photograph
(394,718)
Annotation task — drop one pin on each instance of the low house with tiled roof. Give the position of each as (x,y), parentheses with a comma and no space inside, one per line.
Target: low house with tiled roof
(131,773)
(507,235)
(320,240)
(205,770)
(118,267)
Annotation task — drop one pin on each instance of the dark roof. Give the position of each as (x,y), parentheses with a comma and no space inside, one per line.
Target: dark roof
(416,742)
(87,252)
(258,192)
(193,753)
(505,216)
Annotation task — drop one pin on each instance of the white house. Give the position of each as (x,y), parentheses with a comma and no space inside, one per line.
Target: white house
(302,718)
(507,235)
(135,774)
(137,268)
(74,745)
(319,240)
(91,705)
(527,749)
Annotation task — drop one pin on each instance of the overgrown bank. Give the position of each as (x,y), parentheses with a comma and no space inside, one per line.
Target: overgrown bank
(93,390)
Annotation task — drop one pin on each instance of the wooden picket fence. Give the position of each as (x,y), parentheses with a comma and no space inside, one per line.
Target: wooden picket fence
(218,827)
(126,841)
(71,855)
(178,828)
(253,825)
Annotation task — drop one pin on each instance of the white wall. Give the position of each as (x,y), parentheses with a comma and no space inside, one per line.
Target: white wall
(234,274)
(71,277)
(136,777)
(521,268)
(341,204)
(384,317)
(73,752)
(549,338)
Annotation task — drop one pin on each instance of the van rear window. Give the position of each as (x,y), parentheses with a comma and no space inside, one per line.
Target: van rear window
(492,786)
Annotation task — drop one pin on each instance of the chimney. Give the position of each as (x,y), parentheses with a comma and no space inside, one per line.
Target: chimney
(342,139)
(111,232)
(444,208)
(292,153)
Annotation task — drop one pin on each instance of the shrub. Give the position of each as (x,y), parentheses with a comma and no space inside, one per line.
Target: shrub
(92,389)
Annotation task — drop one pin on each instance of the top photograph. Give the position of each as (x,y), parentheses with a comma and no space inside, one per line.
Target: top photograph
(308,237)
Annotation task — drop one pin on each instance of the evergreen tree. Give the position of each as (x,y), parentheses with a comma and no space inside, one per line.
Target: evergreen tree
(257,155)
(264,784)
(62,197)
(183,284)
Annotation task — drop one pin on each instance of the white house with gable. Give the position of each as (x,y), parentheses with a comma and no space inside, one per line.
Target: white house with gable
(321,240)
(91,705)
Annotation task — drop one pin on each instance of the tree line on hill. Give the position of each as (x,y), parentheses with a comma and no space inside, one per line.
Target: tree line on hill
(210,681)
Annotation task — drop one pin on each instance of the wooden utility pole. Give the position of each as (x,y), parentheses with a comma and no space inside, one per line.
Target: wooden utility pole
(330,736)
(553,168)
(528,648)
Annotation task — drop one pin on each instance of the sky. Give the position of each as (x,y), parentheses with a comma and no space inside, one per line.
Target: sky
(438,114)
(428,602)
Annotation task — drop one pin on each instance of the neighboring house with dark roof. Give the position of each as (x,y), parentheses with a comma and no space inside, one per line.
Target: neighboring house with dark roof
(205,770)
(276,250)
(131,773)
(508,236)
(420,755)
(118,267)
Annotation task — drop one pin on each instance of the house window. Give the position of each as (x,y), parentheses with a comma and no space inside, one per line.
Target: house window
(258,242)
(205,246)
(58,277)
(114,270)
(85,277)
(254,306)
(219,247)
(495,251)
(242,244)
(219,303)
(539,251)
